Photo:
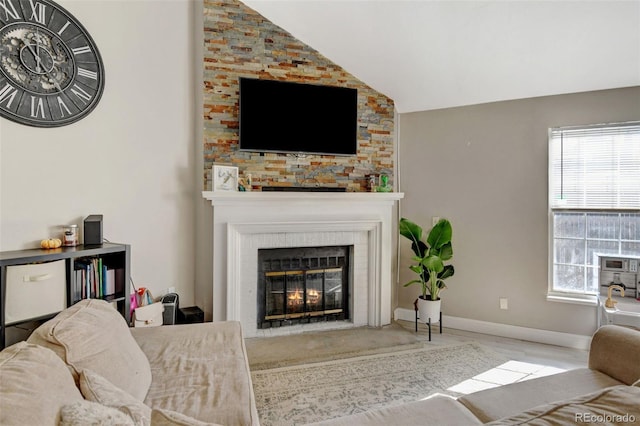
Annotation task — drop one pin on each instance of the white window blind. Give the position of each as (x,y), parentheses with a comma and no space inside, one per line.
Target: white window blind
(595,167)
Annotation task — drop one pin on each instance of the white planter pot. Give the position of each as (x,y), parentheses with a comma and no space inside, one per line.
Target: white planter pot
(429,309)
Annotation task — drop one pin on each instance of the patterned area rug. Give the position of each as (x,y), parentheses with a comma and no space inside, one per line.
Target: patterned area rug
(313,392)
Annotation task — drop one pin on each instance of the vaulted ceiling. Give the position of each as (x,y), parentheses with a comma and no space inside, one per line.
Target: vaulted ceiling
(438,54)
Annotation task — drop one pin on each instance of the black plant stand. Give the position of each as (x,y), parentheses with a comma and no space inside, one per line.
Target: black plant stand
(415,306)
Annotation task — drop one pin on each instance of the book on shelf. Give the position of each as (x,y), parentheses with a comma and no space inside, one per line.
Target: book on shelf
(95,279)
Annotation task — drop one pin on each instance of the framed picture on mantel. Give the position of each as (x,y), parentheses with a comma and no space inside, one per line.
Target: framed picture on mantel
(224,178)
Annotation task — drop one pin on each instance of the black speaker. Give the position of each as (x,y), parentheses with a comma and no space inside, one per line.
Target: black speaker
(93,229)
(170,302)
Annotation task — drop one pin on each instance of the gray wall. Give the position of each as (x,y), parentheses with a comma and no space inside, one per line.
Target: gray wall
(484,167)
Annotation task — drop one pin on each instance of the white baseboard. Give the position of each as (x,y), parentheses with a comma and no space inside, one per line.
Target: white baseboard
(568,340)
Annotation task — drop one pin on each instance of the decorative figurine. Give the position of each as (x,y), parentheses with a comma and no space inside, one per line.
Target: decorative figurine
(384,184)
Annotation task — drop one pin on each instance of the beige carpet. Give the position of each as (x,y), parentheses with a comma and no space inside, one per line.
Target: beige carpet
(316,346)
(312,392)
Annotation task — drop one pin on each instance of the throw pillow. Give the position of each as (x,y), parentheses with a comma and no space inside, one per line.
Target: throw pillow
(161,417)
(82,413)
(98,389)
(91,334)
(34,385)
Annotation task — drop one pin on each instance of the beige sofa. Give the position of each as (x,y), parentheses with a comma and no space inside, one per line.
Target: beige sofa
(86,364)
(607,392)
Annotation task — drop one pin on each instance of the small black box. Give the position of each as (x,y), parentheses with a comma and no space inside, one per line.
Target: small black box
(190,315)
(93,229)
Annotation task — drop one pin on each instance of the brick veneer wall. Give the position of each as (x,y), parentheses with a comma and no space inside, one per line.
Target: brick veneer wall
(239,42)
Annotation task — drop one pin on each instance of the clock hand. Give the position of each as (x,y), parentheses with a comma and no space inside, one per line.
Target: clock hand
(35,55)
(38,60)
(55,82)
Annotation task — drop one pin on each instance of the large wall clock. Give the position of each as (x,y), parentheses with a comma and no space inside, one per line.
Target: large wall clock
(51,73)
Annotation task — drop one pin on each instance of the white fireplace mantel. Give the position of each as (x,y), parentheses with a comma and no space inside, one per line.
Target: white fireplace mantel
(253,197)
(244,222)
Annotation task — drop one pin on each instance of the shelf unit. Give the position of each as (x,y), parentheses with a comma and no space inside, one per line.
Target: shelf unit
(113,255)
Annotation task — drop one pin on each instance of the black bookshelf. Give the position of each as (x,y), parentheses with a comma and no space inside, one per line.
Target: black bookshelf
(113,256)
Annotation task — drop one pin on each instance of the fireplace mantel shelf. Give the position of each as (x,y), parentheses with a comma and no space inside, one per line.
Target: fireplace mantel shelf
(226,197)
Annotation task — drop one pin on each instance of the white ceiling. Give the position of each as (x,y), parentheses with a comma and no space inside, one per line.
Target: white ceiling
(437,54)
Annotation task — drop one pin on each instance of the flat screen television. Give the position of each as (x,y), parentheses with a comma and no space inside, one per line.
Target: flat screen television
(277,116)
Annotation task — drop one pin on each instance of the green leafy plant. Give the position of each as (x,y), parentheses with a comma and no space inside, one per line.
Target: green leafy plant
(430,256)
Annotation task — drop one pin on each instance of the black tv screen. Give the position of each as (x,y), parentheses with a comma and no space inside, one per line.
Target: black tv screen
(290,117)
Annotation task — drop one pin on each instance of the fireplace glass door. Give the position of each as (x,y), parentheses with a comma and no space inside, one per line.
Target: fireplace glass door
(303,285)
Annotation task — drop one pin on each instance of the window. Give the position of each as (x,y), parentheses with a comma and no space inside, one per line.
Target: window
(594,200)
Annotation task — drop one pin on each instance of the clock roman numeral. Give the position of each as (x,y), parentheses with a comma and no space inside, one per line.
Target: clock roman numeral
(64,27)
(63,107)
(9,9)
(37,107)
(37,12)
(87,73)
(8,93)
(81,50)
(81,94)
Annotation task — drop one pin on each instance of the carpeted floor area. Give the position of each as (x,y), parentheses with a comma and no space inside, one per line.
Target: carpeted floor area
(306,362)
(301,394)
(271,352)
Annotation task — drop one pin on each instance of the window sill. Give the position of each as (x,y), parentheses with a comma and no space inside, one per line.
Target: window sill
(576,299)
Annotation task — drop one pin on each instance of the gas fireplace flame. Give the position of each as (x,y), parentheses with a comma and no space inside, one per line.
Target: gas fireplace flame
(312,296)
(297,297)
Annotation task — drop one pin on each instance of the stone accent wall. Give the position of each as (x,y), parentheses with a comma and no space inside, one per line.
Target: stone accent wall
(239,42)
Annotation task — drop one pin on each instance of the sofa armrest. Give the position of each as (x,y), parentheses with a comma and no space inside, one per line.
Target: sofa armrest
(615,351)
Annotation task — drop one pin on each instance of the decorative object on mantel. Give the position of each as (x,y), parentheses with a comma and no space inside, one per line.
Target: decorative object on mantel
(384,184)
(372,183)
(53,73)
(224,178)
(430,267)
(244,183)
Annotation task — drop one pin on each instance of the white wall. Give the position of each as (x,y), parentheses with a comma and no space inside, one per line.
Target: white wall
(132,159)
(484,167)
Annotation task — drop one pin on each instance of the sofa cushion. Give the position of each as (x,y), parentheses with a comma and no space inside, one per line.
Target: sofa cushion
(83,413)
(614,405)
(508,400)
(92,334)
(171,418)
(614,351)
(34,385)
(98,389)
(200,370)
(437,410)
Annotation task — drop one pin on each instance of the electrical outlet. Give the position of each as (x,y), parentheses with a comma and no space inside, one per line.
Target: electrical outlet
(435,220)
(171,290)
(504,303)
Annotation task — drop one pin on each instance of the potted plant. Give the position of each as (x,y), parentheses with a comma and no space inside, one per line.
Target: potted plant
(429,267)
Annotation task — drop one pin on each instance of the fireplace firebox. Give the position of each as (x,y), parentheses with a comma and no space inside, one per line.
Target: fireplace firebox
(303,285)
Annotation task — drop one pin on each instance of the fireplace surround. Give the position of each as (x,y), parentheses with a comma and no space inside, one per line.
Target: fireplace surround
(246,222)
